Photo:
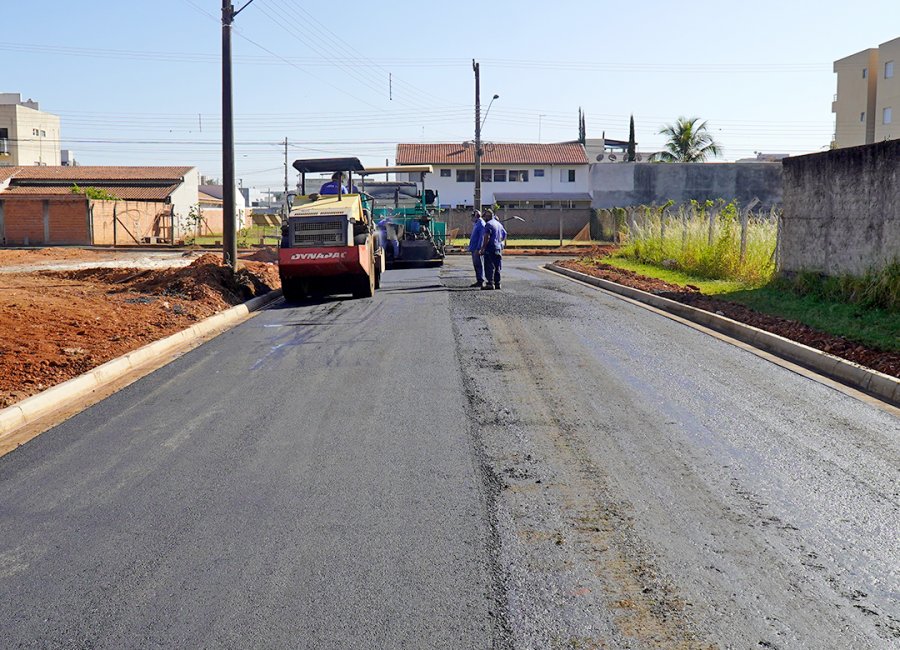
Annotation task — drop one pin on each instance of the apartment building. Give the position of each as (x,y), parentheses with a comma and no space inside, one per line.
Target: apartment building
(868,93)
(28,136)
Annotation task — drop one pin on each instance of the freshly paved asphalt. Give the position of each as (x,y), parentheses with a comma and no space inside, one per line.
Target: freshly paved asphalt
(545,466)
(304,480)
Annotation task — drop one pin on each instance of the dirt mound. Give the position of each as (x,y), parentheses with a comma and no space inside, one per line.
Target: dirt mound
(264,254)
(599,251)
(16,257)
(880,360)
(55,325)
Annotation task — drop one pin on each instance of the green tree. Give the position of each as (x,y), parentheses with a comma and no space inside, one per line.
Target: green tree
(688,140)
(630,155)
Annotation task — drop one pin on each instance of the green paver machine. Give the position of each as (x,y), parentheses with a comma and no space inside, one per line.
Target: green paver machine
(406,216)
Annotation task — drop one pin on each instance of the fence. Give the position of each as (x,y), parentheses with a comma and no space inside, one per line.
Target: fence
(715,239)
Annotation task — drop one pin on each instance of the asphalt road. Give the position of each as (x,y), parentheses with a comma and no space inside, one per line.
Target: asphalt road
(545,466)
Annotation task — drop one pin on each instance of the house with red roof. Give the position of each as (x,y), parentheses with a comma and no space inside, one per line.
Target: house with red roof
(41,205)
(537,176)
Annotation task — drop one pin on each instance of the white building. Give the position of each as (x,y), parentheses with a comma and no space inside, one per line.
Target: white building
(513,175)
(28,136)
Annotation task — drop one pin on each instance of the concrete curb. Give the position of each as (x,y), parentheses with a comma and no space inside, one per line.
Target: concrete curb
(875,383)
(36,406)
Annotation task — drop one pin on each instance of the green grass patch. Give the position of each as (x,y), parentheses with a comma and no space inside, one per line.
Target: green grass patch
(706,286)
(870,326)
(245,237)
(818,303)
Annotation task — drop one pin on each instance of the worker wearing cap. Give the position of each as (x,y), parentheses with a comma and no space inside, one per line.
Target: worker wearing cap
(493,241)
(335,186)
(475,242)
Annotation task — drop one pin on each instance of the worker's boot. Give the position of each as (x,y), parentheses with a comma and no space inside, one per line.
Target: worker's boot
(477,283)
(488,286)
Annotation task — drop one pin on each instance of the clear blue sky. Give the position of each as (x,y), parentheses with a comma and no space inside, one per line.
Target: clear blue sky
(139,82)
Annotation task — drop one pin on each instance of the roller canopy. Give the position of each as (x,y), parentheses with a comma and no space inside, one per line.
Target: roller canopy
(318,165)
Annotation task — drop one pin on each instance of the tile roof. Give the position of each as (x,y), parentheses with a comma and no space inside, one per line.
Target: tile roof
(565,153)
(7,172)
(79,174)
(124,192)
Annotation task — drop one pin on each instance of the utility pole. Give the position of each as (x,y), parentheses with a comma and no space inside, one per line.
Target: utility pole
(477,197)
(229,242)
(285,198)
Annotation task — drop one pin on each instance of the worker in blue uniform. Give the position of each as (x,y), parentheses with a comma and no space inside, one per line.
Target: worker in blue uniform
(476,239)
(335,185)
(492,248)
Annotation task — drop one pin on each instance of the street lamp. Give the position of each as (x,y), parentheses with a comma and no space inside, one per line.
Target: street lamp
(488,109)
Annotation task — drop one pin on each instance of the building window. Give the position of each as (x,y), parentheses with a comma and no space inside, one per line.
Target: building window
(34,131)
(465,175)
(487,175)
(888,69)
(566,175)
(538,173)
(886,115)
(862,116)
(499,175)
(518,175)
(446,173)
(43,133)
(461,206)
(865,72)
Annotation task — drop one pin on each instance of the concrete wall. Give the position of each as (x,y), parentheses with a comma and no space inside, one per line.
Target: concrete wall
(841,210)
(35,221)
(538,223)
(629,184)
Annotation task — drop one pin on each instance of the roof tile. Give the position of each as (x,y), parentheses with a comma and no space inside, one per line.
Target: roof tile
(566,153)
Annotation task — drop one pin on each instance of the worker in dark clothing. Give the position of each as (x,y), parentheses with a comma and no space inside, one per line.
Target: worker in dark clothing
(475,241)
(492,248)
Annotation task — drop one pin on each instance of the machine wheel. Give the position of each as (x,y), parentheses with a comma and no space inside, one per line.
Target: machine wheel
(365,287)
(293,291)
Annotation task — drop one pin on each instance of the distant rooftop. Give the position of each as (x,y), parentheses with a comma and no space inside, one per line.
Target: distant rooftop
(494,154)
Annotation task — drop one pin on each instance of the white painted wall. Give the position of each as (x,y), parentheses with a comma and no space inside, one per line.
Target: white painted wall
(453,193)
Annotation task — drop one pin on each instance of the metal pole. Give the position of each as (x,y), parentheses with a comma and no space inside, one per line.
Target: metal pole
(229,243)
(477,197)
(285,200)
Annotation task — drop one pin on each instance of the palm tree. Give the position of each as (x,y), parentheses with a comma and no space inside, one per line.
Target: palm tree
(688,141)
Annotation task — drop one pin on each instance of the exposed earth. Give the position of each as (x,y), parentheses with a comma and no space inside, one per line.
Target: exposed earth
(880,360)
(56,325)
(89,306)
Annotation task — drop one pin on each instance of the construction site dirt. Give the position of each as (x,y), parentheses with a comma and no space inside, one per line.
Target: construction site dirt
(64,311)
(58,324)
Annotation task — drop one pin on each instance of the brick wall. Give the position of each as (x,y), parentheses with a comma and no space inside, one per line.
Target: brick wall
(34,221)
(69,222)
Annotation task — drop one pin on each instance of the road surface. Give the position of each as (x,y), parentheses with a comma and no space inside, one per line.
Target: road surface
(546,466)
